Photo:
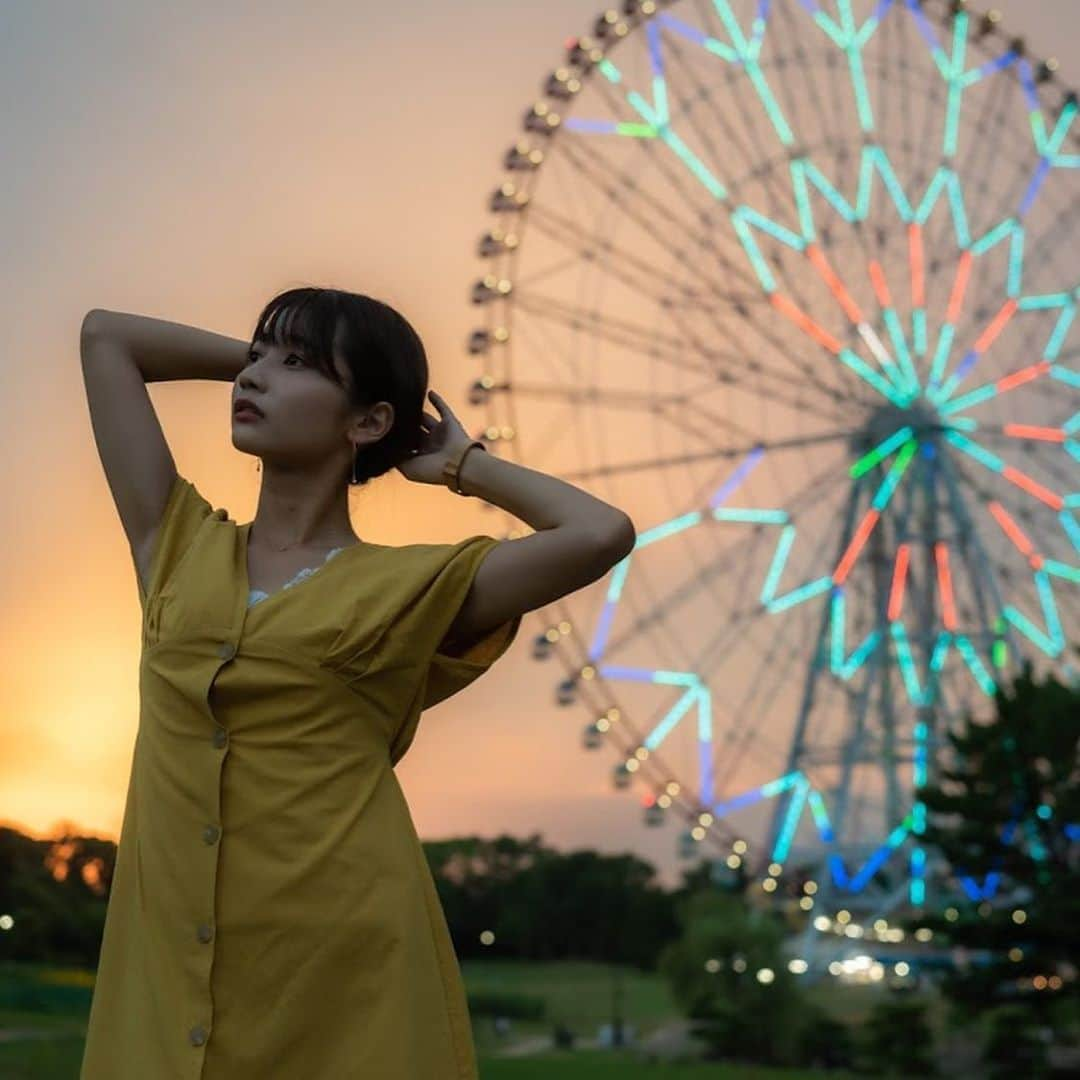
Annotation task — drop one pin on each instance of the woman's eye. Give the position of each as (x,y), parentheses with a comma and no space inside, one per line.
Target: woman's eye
(292,356)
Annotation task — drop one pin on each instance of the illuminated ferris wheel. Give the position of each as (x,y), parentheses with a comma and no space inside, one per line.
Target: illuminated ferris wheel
(793,283)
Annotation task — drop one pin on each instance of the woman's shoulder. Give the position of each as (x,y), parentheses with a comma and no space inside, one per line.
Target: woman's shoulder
(186,513)
(424,562)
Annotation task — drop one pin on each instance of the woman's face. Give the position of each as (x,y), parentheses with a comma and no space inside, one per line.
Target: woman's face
(305,416)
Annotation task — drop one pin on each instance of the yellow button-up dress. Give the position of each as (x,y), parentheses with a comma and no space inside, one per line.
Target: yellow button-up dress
(272,915)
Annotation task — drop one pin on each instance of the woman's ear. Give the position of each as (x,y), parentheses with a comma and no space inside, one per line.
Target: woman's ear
(376,421)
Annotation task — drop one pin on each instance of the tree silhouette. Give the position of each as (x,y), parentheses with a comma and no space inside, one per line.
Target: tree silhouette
(1005,815)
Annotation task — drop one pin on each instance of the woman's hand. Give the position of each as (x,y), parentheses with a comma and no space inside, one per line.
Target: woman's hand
(440,440)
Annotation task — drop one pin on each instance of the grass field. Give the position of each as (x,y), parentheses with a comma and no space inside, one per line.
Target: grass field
(580,995)
(59,1059)
(598,1065)
(577,994)
(55,1004)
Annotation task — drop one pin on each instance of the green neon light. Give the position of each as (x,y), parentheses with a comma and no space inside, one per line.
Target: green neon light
(882,450)
(896,473)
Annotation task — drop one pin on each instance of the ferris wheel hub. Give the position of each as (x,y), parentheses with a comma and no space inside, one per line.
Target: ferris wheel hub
(921,416)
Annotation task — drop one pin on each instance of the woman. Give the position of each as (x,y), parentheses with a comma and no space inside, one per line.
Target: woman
(271,912)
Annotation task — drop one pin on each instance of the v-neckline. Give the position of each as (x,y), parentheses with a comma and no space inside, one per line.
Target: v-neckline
(294,582)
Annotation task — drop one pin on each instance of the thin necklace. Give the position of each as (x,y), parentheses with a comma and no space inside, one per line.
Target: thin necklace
(295,543)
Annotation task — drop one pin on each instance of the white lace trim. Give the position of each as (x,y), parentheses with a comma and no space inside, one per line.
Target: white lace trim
(255,595)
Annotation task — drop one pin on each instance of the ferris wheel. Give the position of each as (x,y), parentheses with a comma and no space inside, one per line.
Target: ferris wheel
(793,282)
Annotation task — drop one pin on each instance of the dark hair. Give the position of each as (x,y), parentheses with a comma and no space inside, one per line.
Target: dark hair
(384,354)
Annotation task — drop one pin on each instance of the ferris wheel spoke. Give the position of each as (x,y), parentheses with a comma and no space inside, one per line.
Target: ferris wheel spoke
(653,345)
(659,215)
(742,728)
(994,114)
(742,725)
(1023,437)
(715,454)
(732,369)
(908,139)
(680,407)
(990,577)
(995,465)
(1057,542)
(1034,380)
(788,630)
(774,183)
(1040,248)
(737,369)
(843,382)
(1062,473)
(731,561)
(1013,563)
(745,733)
(747,729)
(839,154)
(584,243)
(969,476)
(619,331)
(992,154)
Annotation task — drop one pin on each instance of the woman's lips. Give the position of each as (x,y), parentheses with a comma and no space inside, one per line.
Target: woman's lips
(246,414)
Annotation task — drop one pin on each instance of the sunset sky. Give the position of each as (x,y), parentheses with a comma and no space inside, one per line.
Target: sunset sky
(187,162)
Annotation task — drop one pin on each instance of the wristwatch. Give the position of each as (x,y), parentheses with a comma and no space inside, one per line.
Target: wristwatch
(453,466)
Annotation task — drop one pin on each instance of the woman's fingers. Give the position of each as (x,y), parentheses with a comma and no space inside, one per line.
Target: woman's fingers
(440,404)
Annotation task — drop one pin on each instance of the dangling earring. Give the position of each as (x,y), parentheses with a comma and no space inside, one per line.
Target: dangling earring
(354,476)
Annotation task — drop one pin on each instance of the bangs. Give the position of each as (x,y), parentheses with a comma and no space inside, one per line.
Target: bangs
(305,319)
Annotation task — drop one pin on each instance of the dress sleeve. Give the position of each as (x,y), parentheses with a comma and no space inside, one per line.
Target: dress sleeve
(438,583)
(447,672)
(184,514)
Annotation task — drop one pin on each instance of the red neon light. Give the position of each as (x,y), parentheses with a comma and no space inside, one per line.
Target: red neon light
(993,331)
(1018,378)
(1011,529)
(963,274)
(948,602)
(896,596)
(1032,487)
(1042,434)
(881,286)
(1016,535)
(806,324)
(862,534)
(837,287)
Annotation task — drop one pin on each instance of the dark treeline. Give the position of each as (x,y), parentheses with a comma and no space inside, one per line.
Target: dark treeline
(537,902)
(542,904)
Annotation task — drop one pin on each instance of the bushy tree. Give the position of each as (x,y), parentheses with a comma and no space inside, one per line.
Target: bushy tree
(1006,810)
(1013,1045)
(727,971)
(896,1039)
